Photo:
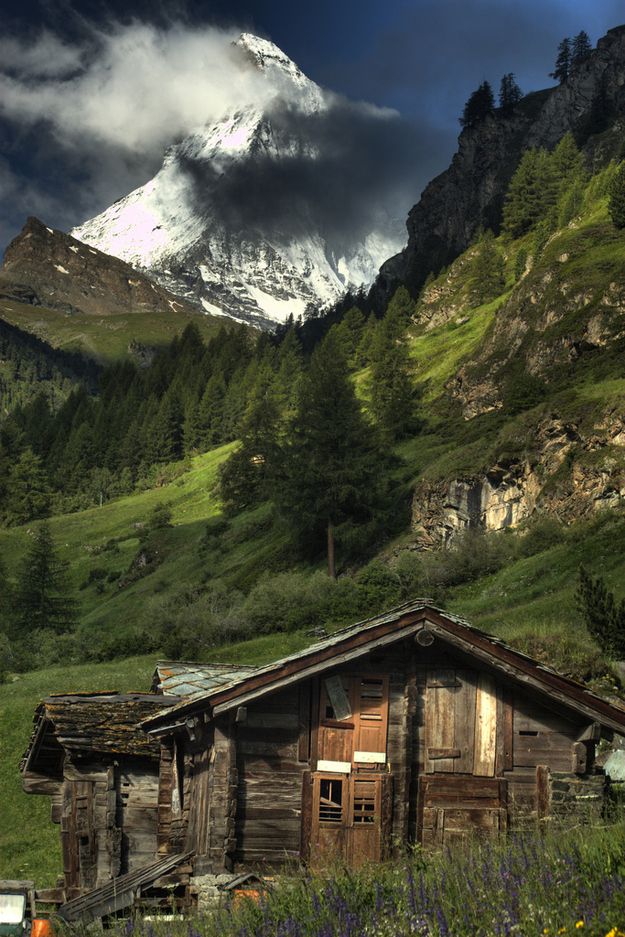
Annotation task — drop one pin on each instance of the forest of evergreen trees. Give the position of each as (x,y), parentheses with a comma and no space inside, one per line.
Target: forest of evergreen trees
(193,397)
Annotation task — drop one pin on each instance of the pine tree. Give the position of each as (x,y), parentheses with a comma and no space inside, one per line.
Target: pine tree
(331,486)
(480,104)
(603,616)
(166,431)
(290,368)
(488,275)
(247,476)
(365,345)
(211,412)
(563,62)
(28,490)
(581,48)
(509,93)
(42,598)
(391,385)
(349,330)
(616,194)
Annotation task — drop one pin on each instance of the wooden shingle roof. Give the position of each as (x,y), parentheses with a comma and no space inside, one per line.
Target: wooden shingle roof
(108,723)
(394,625)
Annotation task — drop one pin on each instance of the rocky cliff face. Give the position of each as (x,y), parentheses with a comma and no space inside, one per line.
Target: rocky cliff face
(45,267)
(572,473)
(470,193)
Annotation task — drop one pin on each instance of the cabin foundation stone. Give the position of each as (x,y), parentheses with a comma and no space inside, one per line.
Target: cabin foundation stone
(209,891)
(573,796)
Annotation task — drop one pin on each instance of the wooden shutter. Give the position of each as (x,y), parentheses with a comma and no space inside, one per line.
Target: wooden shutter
(371,722)
(452,808)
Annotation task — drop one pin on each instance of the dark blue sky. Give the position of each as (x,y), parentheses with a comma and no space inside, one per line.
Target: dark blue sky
(422,57)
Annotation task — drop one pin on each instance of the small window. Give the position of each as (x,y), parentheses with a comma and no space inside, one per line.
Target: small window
(364,801)
(331,800)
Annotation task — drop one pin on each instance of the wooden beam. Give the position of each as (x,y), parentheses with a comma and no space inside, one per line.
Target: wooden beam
(316,668)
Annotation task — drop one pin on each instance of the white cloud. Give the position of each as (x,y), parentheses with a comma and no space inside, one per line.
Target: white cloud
(45,56)
(135,87)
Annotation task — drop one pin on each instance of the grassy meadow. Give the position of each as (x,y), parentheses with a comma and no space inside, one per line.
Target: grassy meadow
(105,338)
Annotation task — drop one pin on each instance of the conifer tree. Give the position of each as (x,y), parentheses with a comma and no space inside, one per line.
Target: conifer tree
(290,368)
(28,490)
(42,597)
(391,385)
(581,48)
(247,476)
(480,104)
(488,276)
(210,412)
(603,615)
(616,195)
(532,193)
(509,93)
(165,442)
(349,330)
(365,345)
(563,62)
(331,487)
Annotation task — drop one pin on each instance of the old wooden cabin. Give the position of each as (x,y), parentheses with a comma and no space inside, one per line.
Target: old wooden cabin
(410,727)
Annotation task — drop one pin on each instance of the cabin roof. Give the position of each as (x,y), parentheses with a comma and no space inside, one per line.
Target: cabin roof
(188,679)
(398,623)
(108,723)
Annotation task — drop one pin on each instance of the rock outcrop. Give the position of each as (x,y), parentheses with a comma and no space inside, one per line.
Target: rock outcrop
(569,475)
(470,193)
(45,267)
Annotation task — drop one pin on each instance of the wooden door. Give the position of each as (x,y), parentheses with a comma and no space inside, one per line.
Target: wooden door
(78,837)
(350,818)
(461,709)
(452,807)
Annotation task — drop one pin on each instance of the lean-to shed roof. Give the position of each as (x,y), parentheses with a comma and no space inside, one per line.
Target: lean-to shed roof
(81,723)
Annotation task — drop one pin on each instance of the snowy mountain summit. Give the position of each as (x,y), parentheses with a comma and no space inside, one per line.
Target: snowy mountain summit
(234,219)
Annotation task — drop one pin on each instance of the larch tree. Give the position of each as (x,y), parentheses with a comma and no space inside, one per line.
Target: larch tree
(42,596)
(331,488)
(391,384)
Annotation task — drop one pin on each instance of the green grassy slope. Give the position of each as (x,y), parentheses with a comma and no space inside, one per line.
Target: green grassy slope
(105,338)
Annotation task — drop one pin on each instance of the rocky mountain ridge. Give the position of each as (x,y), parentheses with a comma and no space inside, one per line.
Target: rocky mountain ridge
(470,193)
(46,267)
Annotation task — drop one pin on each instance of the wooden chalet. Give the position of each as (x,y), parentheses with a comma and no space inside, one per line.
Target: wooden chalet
(412,727)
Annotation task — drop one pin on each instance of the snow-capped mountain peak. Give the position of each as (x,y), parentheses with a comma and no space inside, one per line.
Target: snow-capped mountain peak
(217,226)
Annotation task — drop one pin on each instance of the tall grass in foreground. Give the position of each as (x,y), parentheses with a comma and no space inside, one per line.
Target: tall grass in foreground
(527,885)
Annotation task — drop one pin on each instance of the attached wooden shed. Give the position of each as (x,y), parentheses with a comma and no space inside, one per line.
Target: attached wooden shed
(89,753)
